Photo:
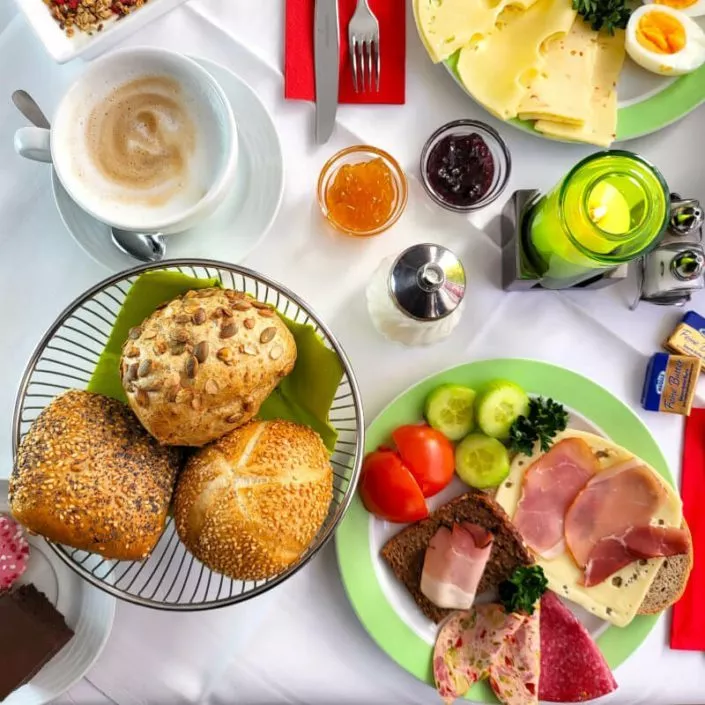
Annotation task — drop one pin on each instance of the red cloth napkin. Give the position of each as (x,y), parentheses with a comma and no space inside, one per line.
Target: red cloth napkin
(688,622)
(299,77)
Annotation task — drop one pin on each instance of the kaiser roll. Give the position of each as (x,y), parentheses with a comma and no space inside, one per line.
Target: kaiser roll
(203,365)
(88,475)
(249,504)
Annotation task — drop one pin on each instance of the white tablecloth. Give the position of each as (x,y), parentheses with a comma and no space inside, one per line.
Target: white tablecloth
(302,643)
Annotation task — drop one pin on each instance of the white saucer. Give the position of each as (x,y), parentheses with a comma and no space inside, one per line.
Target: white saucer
(239,225)
(87,610)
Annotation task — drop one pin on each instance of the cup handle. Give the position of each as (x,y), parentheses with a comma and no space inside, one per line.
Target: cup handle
(34,143)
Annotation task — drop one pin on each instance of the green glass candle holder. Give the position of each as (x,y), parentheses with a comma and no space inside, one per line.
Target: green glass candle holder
(611,208)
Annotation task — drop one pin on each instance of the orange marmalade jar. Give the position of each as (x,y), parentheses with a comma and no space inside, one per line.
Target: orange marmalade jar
(362,191)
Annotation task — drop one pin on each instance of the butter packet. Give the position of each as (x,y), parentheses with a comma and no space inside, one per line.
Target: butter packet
(689,337)
(670,383)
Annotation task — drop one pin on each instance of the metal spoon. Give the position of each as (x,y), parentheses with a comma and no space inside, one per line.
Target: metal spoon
(145,247)
(28,107)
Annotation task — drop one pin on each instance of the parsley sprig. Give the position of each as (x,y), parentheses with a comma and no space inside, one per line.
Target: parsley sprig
(523,589)
(604,14)
(543,421)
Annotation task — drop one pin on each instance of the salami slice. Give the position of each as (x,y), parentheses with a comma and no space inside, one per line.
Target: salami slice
(467,644)
(514,674)
(14,552)
(572,667)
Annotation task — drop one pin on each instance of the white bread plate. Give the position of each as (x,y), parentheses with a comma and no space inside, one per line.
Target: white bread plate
(63,48)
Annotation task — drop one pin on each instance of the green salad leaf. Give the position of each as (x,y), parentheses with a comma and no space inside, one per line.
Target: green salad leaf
(305,396)
(523,589)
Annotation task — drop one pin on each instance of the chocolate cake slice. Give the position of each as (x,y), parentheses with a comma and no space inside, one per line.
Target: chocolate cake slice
(32,632)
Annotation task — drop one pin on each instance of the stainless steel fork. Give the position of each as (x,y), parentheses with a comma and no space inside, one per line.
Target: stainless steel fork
(363,38)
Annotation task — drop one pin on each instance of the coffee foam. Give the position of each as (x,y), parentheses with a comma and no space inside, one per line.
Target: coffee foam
(145,148)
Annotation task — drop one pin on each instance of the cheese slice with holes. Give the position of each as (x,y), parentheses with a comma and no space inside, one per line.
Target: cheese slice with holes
(618,598)
(498,70)
(601,126)
(448,25)
(562,92)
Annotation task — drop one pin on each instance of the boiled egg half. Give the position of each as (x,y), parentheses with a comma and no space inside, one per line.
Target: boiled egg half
(664,40)
(693,8)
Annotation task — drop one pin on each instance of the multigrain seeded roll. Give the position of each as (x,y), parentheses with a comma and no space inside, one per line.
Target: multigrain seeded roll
(88,475)
(249,504)
(203,365)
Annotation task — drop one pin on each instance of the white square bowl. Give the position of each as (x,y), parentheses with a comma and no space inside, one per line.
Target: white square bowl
(63,48)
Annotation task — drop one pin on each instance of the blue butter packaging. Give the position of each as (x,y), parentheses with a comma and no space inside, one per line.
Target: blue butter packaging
(670,383)
(694,320)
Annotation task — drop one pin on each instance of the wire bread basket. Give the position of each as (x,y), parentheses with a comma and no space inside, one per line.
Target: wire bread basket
(171,578)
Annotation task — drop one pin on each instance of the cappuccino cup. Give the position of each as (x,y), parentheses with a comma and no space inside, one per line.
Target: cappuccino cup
(144,140)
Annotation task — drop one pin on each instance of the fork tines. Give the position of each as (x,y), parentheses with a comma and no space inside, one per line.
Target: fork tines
(366,63)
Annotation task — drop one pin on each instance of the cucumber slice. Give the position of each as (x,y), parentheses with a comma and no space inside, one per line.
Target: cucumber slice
(481,461)
(499,406)
(450,409)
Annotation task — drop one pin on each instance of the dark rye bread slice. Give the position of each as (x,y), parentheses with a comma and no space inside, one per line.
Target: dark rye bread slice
(405,552)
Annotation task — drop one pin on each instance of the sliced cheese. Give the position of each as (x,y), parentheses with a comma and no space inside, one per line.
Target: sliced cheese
(562,92)
(498,70)
(618,598)
(448,25)
(601,126)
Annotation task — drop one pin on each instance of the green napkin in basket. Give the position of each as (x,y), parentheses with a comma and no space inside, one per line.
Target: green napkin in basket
(305,396)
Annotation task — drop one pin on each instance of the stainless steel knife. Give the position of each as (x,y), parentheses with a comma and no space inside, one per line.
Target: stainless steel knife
(326,44)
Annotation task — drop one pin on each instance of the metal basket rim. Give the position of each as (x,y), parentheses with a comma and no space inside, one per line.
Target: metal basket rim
(359,427)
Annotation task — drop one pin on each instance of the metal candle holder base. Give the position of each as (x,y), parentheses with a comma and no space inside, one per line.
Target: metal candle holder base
(518,274)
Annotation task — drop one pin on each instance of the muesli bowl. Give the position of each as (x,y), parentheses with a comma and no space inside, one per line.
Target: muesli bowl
(66,357)
(91,27)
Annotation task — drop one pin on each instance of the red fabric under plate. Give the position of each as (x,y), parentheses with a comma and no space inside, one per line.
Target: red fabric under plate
(299,77)
(688,622)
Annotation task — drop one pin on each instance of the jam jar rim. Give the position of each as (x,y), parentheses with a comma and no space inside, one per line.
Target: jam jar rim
(485,131)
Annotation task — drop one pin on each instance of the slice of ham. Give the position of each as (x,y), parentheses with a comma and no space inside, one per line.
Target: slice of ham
(549,487)
(467,645)
(572,667)
(611,503)
(514,674)
(612,553)
(454,563)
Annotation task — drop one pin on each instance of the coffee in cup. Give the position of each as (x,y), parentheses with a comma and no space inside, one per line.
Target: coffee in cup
(143,142)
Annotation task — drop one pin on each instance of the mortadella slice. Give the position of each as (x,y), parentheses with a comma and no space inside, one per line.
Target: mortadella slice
(454,563)
(514,675)
(572,667)
(466,646)
(549,487)
(14,552)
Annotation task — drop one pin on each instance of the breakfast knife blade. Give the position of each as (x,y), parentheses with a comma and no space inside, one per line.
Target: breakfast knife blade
(327,58)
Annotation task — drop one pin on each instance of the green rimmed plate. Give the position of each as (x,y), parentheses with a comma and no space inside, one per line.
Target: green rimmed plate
(383,605)
(647,102)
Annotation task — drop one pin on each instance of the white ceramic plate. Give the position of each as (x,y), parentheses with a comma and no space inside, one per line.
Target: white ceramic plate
(239,225)
(87,610)
(63,48)
(383,605)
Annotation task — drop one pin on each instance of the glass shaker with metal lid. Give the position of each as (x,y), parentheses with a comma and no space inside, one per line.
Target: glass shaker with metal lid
(417,297)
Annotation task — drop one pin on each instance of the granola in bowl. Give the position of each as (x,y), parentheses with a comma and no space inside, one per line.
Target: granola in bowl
(89,15)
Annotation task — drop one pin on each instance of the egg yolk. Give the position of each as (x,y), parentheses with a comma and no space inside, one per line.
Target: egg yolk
(660,33)
(677,4)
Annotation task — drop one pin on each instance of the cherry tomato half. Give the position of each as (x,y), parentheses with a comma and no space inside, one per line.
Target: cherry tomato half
(428,454)
(389,490)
